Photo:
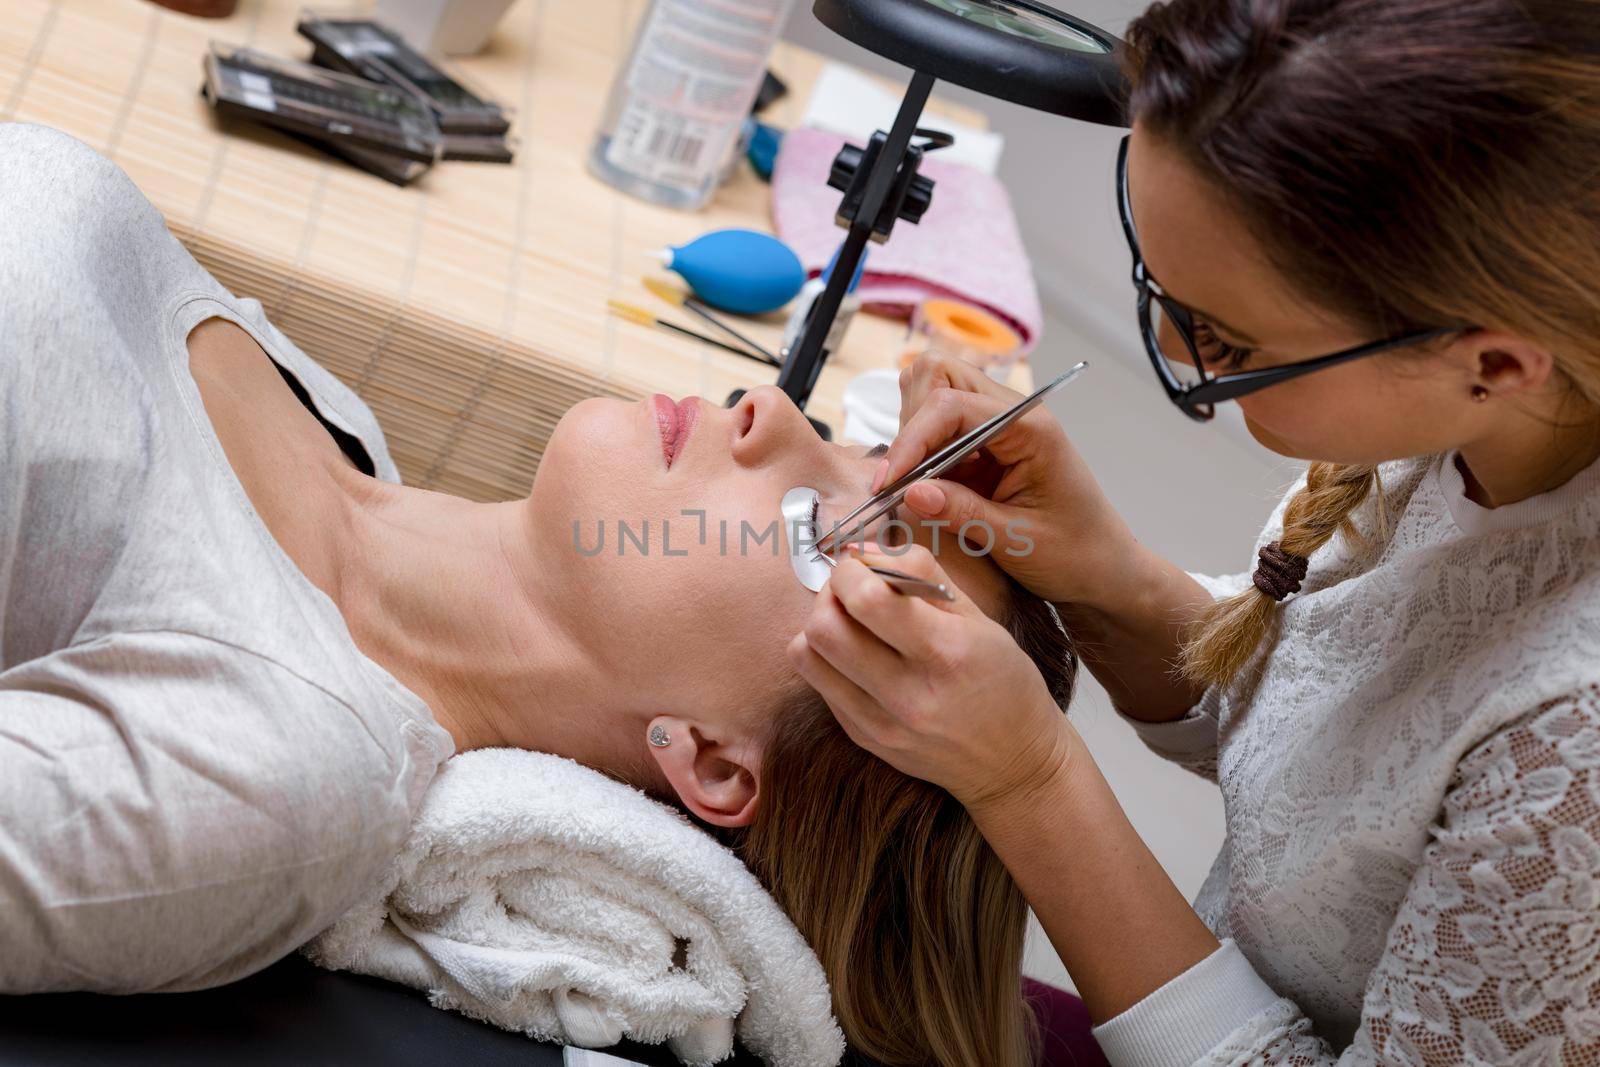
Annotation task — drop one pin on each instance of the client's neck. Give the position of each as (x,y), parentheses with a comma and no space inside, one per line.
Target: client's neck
(443,593)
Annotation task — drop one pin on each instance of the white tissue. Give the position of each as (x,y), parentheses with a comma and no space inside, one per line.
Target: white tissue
(852,104)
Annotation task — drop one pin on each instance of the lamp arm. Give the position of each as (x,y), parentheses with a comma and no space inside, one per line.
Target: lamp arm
(803,362)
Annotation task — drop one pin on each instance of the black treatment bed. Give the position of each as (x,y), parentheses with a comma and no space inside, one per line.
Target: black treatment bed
(290,1013)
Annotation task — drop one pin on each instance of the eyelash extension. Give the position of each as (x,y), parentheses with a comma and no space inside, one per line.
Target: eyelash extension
(816,513)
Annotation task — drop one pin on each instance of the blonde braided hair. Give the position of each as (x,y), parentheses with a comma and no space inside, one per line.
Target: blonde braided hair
(1226,635)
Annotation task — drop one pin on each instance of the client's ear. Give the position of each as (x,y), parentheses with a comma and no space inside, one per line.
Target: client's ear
(715,780)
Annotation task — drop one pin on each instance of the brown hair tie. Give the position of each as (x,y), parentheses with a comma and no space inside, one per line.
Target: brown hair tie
(1280,572)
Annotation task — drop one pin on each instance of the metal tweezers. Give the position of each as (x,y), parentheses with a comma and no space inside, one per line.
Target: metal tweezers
(890,496)
(901,582)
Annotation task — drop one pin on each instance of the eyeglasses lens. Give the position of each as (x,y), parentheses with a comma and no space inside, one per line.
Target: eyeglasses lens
(1173,331)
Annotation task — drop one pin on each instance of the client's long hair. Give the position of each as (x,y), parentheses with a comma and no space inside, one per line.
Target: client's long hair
(917,924)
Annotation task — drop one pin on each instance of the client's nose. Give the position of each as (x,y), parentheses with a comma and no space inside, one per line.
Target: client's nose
(766,422)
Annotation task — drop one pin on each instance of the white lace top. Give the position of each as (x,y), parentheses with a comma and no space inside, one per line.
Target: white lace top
(1411,872)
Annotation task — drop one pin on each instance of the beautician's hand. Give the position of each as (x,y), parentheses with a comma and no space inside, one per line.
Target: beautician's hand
(938,690)
(1028,479)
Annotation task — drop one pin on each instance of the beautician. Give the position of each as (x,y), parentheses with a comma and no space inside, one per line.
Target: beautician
(1375,225)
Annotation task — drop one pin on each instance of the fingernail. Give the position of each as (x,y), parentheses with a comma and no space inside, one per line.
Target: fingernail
(928,499)
(878,475)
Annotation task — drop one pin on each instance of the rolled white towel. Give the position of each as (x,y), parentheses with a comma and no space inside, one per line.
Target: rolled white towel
(543,897)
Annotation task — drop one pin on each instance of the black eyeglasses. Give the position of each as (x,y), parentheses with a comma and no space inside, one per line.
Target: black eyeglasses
(1198,396)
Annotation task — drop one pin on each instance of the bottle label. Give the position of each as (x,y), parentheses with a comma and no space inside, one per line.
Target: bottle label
(695,71)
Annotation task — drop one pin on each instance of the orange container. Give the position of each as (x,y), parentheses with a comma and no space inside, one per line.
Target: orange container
(953,328)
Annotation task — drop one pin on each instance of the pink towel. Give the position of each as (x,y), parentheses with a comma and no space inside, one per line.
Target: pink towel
(967,245)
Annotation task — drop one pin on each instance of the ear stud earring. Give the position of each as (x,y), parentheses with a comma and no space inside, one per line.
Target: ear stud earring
(659,736)
(1480,393)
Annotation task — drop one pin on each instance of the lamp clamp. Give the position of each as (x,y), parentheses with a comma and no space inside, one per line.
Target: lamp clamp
(910,195)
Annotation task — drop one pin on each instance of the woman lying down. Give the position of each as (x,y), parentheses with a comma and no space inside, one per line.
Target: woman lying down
(235,650)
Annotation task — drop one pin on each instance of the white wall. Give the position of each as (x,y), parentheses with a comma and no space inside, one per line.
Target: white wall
(1196,493)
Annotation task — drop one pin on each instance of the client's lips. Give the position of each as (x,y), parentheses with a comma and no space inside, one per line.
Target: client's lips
(675,421)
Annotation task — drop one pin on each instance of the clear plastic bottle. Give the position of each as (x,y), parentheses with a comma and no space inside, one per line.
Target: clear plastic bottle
(679,101)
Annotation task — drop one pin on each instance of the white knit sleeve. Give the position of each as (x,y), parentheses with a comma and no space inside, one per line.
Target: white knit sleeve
(1494,954)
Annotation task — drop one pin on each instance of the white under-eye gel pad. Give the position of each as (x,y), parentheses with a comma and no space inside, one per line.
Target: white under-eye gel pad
(800,529)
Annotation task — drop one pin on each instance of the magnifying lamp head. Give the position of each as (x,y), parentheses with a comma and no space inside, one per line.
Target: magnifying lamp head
(1015,50)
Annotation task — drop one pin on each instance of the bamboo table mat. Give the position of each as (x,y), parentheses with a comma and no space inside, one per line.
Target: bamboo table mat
(468,310)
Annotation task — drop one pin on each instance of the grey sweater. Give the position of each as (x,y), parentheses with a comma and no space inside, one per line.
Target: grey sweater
(198,768)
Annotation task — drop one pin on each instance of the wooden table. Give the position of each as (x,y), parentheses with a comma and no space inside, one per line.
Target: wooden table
(468,309)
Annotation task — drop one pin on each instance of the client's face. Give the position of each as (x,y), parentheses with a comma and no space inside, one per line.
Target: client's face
(668,554)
